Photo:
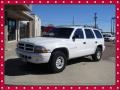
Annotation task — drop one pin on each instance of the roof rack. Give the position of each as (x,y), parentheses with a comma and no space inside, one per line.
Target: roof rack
(80,25)
(87,26)
(91,26)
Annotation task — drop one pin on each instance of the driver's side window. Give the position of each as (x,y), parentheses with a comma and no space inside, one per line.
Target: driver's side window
(79,34)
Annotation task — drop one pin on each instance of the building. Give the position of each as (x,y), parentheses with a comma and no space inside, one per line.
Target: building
(18,22)
(36,26)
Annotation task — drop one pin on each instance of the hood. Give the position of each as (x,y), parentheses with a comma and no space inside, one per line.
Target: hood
(42,40)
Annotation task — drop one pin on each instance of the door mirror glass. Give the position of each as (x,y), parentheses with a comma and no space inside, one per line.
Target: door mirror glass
(73,38)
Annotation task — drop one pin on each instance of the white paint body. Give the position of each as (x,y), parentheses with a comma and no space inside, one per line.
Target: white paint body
(75,48)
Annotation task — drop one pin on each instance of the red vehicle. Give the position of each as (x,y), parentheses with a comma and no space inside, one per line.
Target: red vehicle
(48,28)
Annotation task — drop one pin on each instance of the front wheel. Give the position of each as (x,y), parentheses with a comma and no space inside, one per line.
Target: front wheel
(58,61)
(98,54)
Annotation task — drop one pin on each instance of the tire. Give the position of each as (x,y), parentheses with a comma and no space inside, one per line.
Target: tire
(57,62)
(30,64)
(98,54)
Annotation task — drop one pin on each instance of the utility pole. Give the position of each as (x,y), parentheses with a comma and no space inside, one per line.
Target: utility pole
(95,19)
(113,25)
(73,21)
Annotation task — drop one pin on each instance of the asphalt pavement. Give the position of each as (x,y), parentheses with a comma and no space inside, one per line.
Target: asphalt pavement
(80,71)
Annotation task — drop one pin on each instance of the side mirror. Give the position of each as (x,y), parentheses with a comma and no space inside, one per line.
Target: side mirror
(73,38)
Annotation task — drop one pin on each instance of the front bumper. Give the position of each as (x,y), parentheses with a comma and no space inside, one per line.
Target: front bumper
(35,58)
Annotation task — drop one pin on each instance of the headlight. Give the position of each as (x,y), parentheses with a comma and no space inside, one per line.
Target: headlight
(40,49)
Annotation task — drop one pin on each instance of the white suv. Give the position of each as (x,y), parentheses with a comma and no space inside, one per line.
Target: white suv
(61,44)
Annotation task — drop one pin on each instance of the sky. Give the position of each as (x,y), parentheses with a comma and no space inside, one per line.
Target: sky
(59,14)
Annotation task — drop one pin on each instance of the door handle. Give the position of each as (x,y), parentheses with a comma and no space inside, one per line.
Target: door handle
(84,42)
(96,42)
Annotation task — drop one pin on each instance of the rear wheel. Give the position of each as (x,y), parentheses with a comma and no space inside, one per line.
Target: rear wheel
(58,61)
(98,54)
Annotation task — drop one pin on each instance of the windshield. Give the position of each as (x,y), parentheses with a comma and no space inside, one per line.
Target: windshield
(59,33)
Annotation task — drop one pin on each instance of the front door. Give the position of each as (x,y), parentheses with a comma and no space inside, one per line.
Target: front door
(78,43)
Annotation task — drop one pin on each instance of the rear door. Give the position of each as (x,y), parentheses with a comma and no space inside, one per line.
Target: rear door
(90,41)
(99,38)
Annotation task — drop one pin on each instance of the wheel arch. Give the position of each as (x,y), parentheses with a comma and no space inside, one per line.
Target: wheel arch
(100,46)
(62,49)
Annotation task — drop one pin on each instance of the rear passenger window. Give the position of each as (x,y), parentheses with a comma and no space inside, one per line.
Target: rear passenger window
(79,34)
(98,34)
(89,33)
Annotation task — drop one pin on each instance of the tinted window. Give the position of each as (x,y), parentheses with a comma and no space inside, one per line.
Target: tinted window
(98,34)
(89,33)
(59,33)
(79,33)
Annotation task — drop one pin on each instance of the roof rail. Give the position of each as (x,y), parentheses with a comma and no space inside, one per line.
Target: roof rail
(82,26)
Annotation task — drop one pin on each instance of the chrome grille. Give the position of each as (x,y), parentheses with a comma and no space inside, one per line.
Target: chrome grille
(26,47)
(21,46)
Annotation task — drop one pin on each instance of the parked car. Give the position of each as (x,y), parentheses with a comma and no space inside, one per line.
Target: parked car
(61,44)
(109,37)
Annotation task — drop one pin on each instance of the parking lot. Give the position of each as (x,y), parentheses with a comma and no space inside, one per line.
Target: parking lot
(80,71)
